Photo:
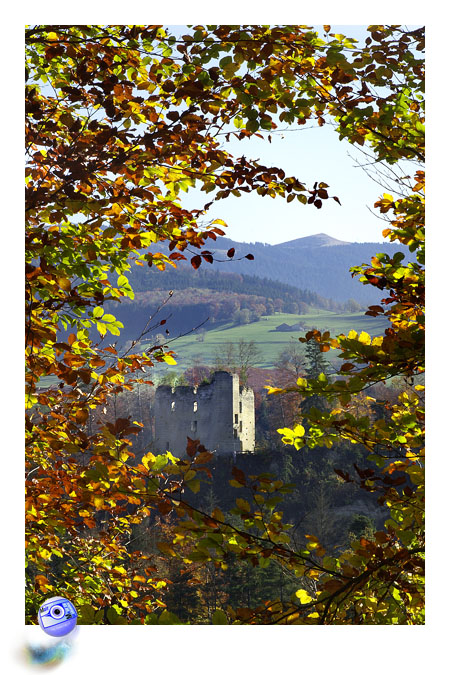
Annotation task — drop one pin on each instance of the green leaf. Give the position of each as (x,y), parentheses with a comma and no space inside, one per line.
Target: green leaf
(167,618)
(252,125)
(225,61)
(219,618)
(115,618)
(243,505)
(194,485)
(159,463)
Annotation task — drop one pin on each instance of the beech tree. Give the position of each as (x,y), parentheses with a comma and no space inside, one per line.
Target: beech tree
(121,120)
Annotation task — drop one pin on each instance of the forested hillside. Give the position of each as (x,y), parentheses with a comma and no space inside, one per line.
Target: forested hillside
(192,296)
(318,265)
(311,265)
(146,279)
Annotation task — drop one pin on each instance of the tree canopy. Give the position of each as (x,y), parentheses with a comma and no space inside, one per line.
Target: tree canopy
(121,121)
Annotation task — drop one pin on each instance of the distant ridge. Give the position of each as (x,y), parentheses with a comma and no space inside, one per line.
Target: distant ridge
(317,263)
(315,240)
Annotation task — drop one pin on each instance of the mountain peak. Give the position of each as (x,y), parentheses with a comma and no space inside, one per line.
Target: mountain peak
(314,240)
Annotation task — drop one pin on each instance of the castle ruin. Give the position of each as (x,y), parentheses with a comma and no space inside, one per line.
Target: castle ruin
(221,414)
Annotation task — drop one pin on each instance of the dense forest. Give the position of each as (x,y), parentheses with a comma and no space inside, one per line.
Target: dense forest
(149,279)
(321,269)
(216,297)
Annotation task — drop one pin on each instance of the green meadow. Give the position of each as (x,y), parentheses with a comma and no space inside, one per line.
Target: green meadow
(190,350)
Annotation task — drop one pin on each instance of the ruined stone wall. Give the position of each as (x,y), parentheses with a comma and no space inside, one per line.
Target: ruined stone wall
(219,414)
(247,419)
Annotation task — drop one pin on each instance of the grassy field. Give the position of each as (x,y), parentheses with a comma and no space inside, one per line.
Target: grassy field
(270,342)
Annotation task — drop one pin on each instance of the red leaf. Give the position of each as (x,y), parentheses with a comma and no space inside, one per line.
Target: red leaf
(238,475)
(250,256)
(230,252)
(192,446)
(196,261)
(164,508)
(81,415)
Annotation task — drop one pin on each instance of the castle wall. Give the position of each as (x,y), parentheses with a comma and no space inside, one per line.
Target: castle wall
(247,400)
(219,414)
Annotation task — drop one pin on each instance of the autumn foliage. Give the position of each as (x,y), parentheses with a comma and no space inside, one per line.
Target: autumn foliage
(121,121)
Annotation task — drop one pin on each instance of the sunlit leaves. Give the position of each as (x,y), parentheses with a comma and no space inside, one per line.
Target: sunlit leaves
(121,122)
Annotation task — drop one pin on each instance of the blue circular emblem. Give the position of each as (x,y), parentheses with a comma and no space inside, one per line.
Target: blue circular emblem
(57,616)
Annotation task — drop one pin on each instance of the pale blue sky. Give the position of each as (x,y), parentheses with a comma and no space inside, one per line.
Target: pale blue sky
(311,154)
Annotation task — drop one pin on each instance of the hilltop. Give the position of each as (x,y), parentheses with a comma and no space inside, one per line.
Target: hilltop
(317,263)
(313,240)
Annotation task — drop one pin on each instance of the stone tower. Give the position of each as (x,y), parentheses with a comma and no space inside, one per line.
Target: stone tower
(220,414)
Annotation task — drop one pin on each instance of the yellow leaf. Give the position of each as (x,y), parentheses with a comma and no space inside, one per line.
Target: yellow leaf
(43,553)
(364,338)
(352,335)
(299,430)
(170,360)
(148,459)
(371,603)
(303,596)
(64,283)
(274,390)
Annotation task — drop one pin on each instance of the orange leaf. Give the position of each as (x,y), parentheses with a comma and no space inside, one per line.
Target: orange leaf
(64,283)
